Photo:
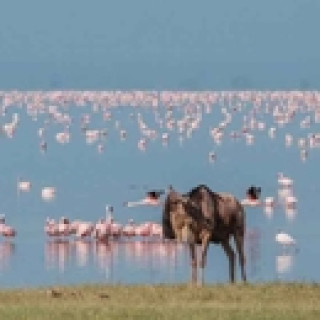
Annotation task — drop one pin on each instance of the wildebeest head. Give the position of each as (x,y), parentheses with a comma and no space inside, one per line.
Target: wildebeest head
(175,216)
(182,217)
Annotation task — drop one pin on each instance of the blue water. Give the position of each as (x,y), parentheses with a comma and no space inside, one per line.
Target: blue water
(87,180)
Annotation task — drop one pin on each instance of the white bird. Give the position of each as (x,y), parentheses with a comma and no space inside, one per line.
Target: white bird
(288,140)
(250,203)
(48,193)
(291,202)
(109,213)
(24,185)
(285,239)
(284,181)
(269,202)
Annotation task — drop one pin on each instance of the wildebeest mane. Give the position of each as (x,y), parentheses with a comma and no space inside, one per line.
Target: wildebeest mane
(195,194)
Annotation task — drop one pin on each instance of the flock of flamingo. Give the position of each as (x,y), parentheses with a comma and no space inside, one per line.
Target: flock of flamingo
(106,228)
(284,107)
(175,114)
(102,230)
(253,108)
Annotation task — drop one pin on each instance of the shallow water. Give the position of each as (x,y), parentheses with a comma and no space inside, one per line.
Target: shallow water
(87,180)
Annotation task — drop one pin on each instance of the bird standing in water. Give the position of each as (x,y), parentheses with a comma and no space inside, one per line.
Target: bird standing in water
(286,240)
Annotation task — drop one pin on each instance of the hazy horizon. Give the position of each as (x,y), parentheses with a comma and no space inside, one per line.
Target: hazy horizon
(146,44)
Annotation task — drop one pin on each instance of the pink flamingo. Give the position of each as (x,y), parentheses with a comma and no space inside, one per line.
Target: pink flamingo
(5,230)
(115,229)
(102,230)
(64,227)
(156,230)
(144,230)
(51,228)
(84,229)
(129,230)
(8,231)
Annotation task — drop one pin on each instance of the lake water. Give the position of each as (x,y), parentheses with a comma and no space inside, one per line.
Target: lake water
(227,140)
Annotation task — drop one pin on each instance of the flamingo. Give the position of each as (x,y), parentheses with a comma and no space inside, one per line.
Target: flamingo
(51,228)
(116,229)
(6,230)
(63,137)
(48,193)
(156,230)
(291,202)
(285,240)
(102,230)
(152,199)
(144,230)
(57,229)
(284,181)
(64,227)
(84,229)
(109,213)
(24,186)
(288,140)
(129,230)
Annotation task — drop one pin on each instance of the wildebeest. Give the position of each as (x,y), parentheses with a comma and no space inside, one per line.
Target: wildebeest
(202,216)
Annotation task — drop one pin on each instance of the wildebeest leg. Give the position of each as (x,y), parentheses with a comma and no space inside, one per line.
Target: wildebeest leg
(239,240)
(193,254)
(230,253)
(204,249)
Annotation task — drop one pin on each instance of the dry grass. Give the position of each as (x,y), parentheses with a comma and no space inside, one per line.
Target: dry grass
(258,301)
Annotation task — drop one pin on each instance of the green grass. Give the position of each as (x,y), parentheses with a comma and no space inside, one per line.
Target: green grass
(243,301)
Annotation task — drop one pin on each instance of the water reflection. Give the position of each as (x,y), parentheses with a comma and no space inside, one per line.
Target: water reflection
(81,253)
(284,264)
(268,211)
(7,249)
(57,254)
(253,247)
(291,213)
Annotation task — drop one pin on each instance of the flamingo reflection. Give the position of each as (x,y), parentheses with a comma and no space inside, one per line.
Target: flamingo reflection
(59,253)
(253,240)
(284,264)
(7,249)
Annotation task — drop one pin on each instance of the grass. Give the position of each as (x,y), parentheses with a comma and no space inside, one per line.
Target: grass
(243,301)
